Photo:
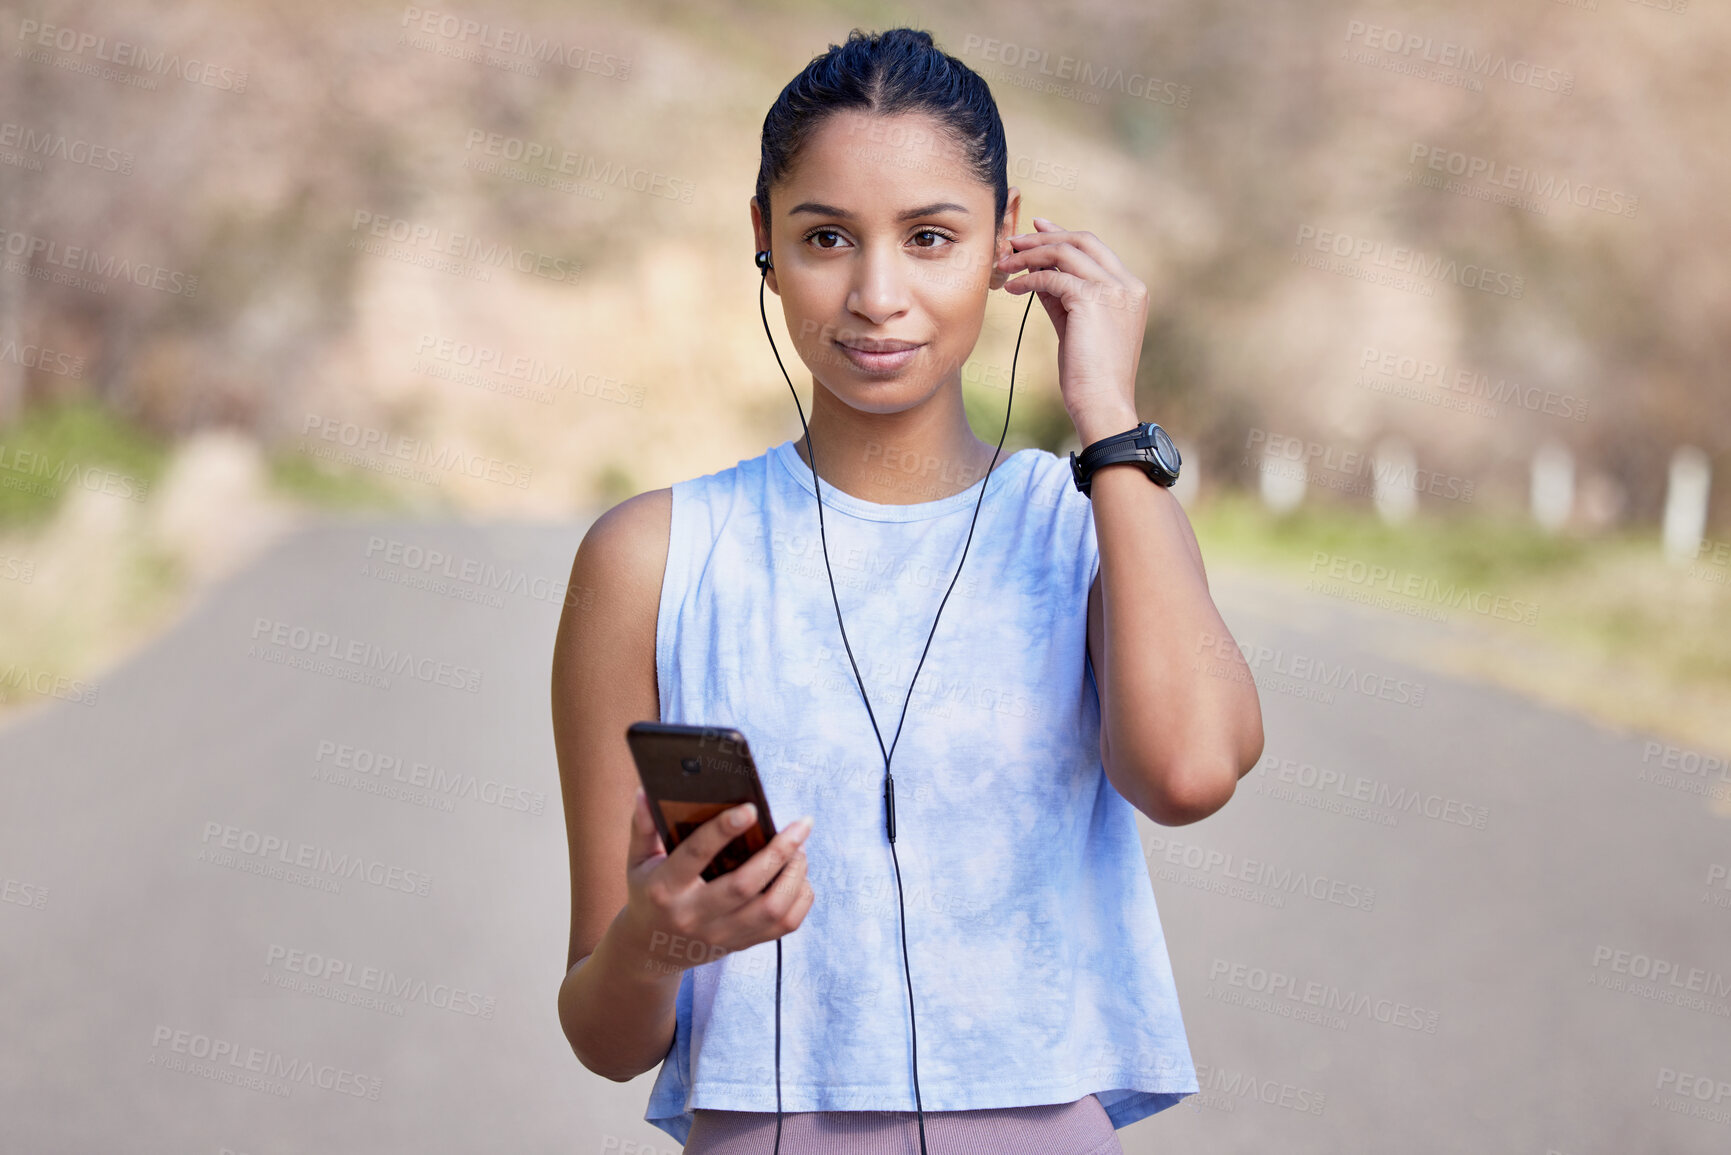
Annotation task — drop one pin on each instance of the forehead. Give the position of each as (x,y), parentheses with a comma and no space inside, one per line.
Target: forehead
(868,161)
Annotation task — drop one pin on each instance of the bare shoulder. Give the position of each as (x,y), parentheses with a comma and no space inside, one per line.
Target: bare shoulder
(626,545)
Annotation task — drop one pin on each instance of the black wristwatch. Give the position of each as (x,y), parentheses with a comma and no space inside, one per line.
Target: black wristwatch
(1147,445)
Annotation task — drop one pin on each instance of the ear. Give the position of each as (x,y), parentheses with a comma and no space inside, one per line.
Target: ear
(1006,230)
(760,232)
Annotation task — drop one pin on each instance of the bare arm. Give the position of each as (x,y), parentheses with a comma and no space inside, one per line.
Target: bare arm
(617,1010)
(1175,739)
(639,915)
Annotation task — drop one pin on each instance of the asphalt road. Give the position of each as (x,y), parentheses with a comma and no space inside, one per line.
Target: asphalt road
(1437,918)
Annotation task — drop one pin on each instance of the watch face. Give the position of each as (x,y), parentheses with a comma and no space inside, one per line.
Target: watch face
(1166,451)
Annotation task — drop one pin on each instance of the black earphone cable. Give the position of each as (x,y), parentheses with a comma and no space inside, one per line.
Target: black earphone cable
(764,265)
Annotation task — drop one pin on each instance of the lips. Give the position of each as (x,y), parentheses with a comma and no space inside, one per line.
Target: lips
(879,345)
(878,355)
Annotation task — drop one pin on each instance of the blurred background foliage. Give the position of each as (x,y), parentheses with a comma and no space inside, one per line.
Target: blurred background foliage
(326,117)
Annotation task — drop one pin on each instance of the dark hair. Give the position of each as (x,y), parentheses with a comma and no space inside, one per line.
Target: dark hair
(887,73)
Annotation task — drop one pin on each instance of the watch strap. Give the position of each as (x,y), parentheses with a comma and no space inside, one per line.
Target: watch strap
(1132,445)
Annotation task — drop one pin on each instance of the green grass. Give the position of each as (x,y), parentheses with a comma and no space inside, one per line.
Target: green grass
(298,476)
(1629,636)
(52,448)
(1474,549)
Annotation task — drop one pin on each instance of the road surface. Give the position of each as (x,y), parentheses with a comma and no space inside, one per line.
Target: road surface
(261,898)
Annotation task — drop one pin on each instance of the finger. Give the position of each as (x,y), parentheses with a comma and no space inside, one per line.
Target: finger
(735,889)
(1088,243)
(645,839)
(1050,283)
(763,913)
(1093,287)
(687,860)
(1061,256)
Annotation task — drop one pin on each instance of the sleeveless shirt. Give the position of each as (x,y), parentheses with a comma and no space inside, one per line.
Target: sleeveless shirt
(1038,962)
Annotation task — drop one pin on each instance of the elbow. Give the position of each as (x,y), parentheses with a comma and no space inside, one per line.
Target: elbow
(1189,791)
(579,1039)
(597,1066)
(1179,787)
(611,1076)
(1184,805)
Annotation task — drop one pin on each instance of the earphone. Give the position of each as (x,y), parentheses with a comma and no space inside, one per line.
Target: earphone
(764,264)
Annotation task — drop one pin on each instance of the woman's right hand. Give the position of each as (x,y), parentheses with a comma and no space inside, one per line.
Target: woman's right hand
(686,920)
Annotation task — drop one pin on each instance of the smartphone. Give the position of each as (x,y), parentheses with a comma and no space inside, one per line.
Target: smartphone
(693,773)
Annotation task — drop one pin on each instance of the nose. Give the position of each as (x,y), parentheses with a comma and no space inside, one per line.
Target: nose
(880,290)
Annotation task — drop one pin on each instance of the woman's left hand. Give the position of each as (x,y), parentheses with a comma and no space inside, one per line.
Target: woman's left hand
(1099,311)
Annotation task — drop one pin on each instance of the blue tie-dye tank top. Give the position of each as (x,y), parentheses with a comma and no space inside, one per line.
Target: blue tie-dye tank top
(1038,962)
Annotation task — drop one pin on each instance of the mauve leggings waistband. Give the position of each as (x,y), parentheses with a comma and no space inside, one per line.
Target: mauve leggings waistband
(1079,1128)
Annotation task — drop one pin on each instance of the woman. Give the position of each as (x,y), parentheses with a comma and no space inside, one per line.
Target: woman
(994,976)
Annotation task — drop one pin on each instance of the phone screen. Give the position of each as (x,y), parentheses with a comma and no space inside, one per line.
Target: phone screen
(693,773)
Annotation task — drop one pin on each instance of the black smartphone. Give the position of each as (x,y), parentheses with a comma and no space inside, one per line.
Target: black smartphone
(693,773)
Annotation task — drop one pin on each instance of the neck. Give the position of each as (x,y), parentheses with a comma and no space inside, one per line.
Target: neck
(921,454)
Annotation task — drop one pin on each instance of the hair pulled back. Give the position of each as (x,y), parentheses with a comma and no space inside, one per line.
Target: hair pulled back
(887,73)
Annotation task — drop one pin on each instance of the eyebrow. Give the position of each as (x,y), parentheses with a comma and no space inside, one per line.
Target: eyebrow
(831,211)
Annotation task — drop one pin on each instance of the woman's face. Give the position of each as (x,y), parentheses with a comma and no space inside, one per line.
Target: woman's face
(884,246)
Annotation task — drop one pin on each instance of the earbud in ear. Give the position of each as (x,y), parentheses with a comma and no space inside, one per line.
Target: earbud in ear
(763,261)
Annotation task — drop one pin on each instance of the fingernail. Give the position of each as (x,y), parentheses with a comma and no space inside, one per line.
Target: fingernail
(743,815)
(796,833)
